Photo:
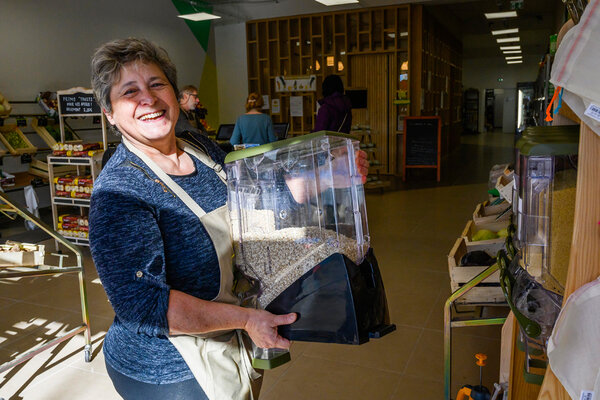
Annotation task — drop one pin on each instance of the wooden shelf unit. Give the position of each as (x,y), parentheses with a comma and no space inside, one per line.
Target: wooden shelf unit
(326,43)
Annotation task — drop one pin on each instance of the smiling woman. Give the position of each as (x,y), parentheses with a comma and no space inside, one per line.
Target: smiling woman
(160,241)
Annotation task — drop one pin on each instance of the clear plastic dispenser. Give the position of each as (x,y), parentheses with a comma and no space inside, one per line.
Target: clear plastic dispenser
(548,174)
(299,225)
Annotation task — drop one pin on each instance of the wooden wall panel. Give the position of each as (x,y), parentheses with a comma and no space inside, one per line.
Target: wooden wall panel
(371,71)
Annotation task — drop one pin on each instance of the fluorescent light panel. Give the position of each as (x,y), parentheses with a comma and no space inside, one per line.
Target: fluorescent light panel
(201,16)
(507,14)
(514,58)
(510,47)
(505,31)
(512,51)
(508,39)
(336,2)
(515,62)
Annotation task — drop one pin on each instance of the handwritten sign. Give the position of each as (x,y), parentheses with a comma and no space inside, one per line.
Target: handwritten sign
(77,103)
(422,138)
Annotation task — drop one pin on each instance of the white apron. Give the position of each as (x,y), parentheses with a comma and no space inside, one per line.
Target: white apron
(220,361)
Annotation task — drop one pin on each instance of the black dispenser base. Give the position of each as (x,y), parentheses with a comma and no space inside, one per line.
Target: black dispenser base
(336,301)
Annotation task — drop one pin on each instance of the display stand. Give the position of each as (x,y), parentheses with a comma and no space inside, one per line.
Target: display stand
(12,210)
(75,102)
(374,180)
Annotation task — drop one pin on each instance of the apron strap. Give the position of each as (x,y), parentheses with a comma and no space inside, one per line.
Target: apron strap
(171,184)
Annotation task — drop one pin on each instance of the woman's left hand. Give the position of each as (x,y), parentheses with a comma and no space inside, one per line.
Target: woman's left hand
(362,164)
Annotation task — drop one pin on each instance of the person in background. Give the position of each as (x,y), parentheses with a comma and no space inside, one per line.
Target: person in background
(254,127)
(188,117)
(335,111)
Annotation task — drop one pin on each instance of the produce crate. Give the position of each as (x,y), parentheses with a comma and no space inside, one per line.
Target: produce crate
(40,168)
(25,145)
(29,256)
(485,214)
(491,244)
(51,133)
(488,291)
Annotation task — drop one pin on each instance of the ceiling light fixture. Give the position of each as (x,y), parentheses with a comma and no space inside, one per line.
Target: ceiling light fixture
(512,51)
(336,2)
(505,31)
(510,47)
(514,58)
(201,16)
(515,62)
(508,39)
(506,14)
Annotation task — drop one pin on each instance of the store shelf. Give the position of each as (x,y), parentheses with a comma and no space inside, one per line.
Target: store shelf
(68,201)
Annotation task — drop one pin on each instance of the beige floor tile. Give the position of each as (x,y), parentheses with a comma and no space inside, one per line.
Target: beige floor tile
(320,379)
(410,309)
(389,353)
(73,384)
(271,377)
(412,387)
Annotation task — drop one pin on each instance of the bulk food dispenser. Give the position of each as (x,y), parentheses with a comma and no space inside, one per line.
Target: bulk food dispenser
(299,226)
(548,167)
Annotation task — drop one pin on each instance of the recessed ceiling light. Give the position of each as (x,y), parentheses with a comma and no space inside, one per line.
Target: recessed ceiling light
(512,51)
(336,2)
(510,47)
(508,39)
(506,14)
(514,58)
(515,62)
(201,16)
(505,31)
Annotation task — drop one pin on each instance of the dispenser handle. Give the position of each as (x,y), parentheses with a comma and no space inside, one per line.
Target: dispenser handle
(464,393)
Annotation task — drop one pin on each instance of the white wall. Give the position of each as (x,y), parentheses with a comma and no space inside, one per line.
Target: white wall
(47,45)
(483,73)
(230,44)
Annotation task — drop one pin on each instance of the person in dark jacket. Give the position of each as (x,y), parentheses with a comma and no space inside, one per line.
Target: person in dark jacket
(335,111)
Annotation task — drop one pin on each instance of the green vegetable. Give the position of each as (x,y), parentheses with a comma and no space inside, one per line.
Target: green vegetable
(503,232)
(15,140)
(54,130)
(484,234)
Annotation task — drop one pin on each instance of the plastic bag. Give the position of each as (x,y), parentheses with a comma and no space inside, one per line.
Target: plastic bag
(576,64)
(574,347)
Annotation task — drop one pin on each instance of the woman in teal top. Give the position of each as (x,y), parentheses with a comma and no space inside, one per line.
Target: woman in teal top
(254,127)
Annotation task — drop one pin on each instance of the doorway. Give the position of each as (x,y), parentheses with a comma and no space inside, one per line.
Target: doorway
(373,72)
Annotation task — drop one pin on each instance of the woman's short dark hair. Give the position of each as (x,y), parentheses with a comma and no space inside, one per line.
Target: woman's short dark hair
(109,58)
(332,84)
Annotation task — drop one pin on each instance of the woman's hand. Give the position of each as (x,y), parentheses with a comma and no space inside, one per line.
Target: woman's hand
(362,164)
(262,328)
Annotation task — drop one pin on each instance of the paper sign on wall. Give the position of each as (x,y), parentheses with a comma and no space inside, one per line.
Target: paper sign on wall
(296,106)
(296,84)
(265,101)
(275,106)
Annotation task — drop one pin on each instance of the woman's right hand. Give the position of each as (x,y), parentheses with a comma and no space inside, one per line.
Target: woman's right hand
(262,328)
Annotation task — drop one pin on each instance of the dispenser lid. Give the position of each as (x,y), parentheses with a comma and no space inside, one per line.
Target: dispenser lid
(560,148)
(254,151)
(546,134)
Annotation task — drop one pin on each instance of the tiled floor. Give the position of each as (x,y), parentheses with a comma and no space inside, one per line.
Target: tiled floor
(412,230)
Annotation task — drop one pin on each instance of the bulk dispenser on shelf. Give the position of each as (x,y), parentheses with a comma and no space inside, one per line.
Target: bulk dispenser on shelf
(299,224)
(548,175)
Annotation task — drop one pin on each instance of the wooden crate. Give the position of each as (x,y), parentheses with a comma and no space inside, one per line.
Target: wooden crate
(485,214)
(486,245)
(22,150)
(40,168)
(31,255)
(47,137)
(461,275)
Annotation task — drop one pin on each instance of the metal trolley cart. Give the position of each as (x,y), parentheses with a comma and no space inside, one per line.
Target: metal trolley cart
(12,210)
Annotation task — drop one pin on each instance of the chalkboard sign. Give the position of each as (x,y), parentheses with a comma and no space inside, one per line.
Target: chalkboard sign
(77,103)
(422,138)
